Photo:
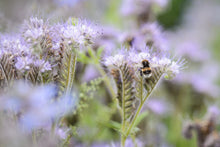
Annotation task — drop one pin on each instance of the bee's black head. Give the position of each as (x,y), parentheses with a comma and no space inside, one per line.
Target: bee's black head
(145,63)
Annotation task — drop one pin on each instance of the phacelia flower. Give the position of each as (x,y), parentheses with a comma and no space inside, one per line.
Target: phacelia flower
(134,58)
(157,106)
(78,32)
(34,30)
(13,45)
(23,63)
(44,66)
(36,105)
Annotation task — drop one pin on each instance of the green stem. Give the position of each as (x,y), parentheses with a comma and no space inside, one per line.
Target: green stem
(123,139)
(134,119)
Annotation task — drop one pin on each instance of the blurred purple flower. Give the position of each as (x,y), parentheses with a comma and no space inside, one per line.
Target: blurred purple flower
(214,110)
(135,57)
(159,107)
(62,133)
(150,34)
(204,85)
(24,63)
(44,66)
(34,30)
(200,82)
(72,35)
(193,52)
(78,32)
(12,45)
(70,3)
(128,143)
(135,7)
(37,105)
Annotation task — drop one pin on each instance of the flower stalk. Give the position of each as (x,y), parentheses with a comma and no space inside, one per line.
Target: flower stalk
(134,86)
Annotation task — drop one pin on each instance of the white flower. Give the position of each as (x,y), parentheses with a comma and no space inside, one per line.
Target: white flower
(115,60)
(172,69)
(72,34)
(164,61)
(138,58)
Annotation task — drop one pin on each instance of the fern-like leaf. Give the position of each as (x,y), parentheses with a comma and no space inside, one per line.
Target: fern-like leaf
(116,75)
(68,72)
(124,79)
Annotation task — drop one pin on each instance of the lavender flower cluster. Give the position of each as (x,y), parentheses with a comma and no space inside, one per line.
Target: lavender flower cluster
(40,45)
(134,57)
(36,105)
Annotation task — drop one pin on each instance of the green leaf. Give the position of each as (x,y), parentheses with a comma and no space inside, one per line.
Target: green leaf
(114,125)
(128,95)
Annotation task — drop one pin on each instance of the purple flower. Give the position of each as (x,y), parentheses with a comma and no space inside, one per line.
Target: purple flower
(36,104)
(159,107)
(62,133)
(34,30)
(43,65)
(135,57)
(135,7)
(152,32)
(13,45)
(214,110)
(78,32)
(72,35)
(23,63)
(34,33)
(66,2)
(193,51)
(204,85)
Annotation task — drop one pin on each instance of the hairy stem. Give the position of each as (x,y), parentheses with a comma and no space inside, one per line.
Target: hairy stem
(71,73)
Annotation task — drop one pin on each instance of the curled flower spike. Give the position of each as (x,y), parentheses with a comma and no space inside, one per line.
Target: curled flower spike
(136,74)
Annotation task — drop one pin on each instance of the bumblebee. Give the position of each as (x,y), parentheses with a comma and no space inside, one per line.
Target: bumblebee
(145,70)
